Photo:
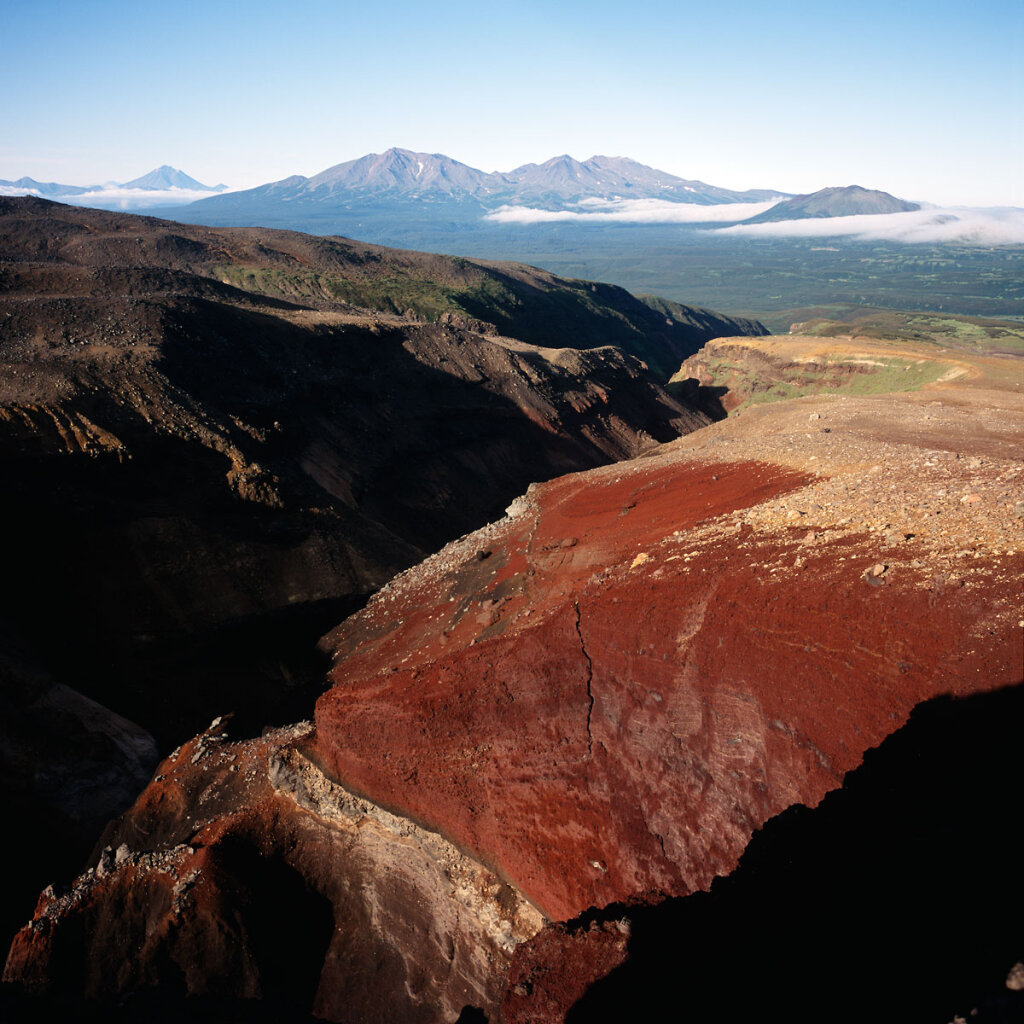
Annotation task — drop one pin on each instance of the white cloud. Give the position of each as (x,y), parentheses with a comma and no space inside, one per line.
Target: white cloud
(631,211)
(966,225)
(116,198)
(135,198)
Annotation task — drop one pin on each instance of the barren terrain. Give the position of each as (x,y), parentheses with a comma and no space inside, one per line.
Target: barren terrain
(586,710)
(742,703)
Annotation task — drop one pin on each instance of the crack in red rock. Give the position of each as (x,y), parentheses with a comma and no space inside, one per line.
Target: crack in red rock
(590,680)
(661,839)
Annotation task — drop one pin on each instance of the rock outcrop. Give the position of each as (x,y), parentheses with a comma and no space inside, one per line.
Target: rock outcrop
(277,885)
(646,672)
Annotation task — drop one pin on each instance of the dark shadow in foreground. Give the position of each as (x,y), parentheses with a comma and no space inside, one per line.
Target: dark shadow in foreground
(152,1006)
(899,898)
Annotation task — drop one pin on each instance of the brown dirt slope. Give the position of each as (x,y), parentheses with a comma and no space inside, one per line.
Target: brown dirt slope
(332,273)
(655,658)
(595,701)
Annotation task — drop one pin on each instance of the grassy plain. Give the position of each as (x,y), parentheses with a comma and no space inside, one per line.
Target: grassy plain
(973,334)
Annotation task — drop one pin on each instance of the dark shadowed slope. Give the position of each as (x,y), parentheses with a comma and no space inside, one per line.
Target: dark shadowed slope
(327,273)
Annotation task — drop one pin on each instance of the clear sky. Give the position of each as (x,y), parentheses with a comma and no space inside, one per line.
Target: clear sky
(922,99)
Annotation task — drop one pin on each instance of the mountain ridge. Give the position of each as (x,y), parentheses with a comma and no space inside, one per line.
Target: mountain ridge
(835,201)
(621,177)
(50,189)
(156,187)
(166,176)
(212,437)
(405,174)
(560,713)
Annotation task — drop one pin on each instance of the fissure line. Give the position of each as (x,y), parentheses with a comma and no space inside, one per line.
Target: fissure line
(590,680)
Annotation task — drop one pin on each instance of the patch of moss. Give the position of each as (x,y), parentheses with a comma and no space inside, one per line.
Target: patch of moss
(850,377)
(972,334)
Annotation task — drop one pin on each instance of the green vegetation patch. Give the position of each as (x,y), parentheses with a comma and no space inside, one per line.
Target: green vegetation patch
(391,293)
(970,334)
(848,377)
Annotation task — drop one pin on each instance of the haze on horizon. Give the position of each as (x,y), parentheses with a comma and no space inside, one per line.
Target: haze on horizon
(921,101)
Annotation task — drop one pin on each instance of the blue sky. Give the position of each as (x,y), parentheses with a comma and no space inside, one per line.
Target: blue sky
(923,100)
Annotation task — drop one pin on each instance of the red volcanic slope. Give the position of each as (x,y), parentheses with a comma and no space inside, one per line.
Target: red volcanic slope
(604,695)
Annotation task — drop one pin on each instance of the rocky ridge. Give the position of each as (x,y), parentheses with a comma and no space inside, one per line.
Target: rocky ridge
(841,545)
(364,893)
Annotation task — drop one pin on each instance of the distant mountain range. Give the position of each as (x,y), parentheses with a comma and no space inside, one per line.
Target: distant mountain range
(162,186)
(418,194)
(400,174)
(425,191)
(49,189)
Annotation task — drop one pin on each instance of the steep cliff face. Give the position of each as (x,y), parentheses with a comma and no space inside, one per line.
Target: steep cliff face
(244,872)
(594,702)
(907,880)
(185,459)
(220,482)
(646,673)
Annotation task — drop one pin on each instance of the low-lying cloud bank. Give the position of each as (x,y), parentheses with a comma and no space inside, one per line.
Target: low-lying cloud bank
(631,211)
(119,198)
(957,224)
(962,224)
